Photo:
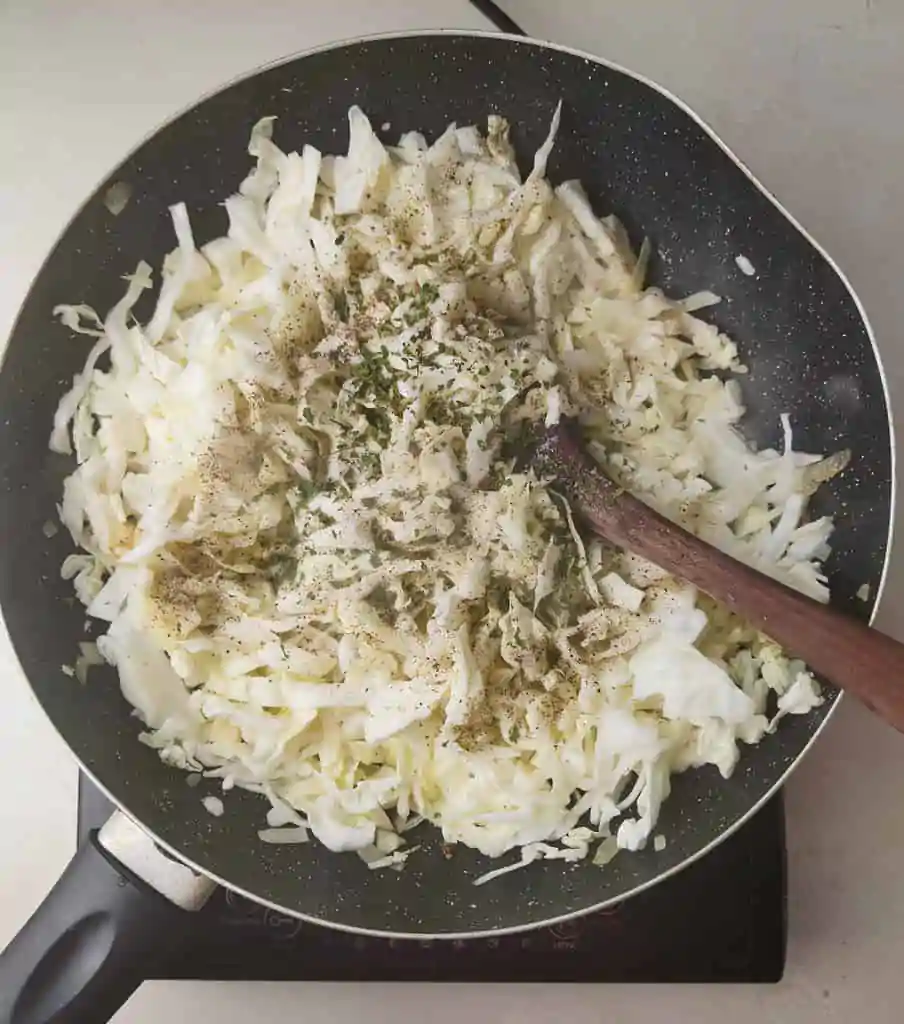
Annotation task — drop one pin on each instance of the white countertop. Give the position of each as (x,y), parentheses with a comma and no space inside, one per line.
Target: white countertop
(808,93)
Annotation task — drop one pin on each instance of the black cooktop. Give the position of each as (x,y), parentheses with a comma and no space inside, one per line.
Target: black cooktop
(722,919)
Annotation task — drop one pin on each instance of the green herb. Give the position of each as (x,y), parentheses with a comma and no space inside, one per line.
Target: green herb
(370,462)
(306,490)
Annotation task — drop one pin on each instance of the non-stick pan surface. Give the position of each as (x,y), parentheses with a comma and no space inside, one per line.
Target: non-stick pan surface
(641,155)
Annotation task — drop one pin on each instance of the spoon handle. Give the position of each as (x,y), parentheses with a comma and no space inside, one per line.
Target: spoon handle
(836,646)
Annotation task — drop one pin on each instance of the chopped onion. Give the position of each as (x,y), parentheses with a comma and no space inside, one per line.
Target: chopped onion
(275,836)
(606,852)
(213,805)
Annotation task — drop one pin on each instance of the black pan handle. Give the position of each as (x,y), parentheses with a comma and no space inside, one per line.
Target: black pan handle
(99,933)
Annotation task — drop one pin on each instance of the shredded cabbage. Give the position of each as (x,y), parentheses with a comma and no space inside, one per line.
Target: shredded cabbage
(325,579)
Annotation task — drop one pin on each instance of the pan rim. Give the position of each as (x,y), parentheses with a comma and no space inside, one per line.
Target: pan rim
(883,579)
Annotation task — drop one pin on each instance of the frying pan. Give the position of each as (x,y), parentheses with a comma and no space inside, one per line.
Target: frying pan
(642,155)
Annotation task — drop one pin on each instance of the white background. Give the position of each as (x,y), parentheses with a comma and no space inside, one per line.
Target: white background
(808,93)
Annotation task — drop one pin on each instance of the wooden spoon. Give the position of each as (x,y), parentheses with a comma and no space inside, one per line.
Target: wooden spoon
(841,649)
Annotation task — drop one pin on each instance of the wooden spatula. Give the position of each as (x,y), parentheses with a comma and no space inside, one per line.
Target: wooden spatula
(841,649)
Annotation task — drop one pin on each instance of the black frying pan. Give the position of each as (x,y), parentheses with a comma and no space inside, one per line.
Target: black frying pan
(640,154)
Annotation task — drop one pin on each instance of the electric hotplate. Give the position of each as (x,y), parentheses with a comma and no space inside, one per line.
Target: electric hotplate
(723,919)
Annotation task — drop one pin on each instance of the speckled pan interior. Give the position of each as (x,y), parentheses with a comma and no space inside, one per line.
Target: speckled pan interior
(639,155)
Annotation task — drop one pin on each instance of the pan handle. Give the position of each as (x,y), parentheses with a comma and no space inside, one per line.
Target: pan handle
(120,908)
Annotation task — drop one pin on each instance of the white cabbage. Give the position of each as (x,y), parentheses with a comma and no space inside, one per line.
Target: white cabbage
(325,579)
